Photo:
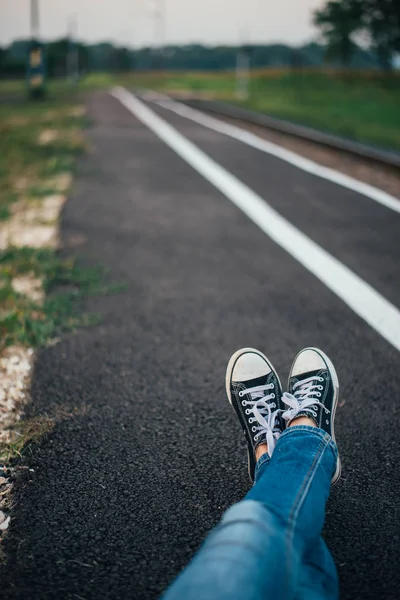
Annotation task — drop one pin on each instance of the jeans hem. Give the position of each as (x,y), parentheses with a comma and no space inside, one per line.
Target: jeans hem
(263,460)
(315,431)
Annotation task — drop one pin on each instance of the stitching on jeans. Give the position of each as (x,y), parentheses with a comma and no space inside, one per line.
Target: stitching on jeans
(300,497)
(290,530)
(302,492)
(307,481)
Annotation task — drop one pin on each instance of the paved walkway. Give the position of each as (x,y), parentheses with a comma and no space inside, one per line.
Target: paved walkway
(146,453)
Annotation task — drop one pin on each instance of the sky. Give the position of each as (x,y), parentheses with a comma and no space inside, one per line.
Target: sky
(131,22)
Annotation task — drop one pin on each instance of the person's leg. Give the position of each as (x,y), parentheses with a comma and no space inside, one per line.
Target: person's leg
(318,575)
(256,551)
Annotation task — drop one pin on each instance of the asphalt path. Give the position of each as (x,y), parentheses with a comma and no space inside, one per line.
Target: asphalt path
(146,453)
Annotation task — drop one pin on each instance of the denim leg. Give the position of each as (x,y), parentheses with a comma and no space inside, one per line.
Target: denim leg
(318,577)
(240,560)
(256,551)
(295,485)
(297,481)
(261,466)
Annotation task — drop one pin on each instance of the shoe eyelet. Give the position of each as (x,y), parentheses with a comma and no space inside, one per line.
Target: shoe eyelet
(247,411)
(244,402)
(251,420)
(240,394)
(273,405)
(256,437)
(320,378)
(318,394)
(272,395)
(253,429)
(327,422)
(320,387)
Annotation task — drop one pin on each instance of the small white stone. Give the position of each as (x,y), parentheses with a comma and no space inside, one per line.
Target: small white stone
(4,525)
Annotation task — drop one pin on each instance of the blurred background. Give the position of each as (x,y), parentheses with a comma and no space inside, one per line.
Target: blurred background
(332,65)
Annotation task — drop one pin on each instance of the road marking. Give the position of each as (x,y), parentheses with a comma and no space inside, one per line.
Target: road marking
(302,163)
(362,298)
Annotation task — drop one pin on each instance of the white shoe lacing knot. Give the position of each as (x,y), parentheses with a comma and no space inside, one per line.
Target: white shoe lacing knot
(305,397)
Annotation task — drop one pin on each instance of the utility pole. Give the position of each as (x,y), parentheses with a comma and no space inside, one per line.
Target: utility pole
(159,23)
(36,68)
(34,19)
(73,55)
(159,31)
(242,68)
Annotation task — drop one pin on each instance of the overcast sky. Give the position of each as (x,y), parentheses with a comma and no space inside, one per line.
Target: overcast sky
(132,21)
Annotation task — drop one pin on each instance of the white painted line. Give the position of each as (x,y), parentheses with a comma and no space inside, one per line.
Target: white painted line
(363,299)
(291,157)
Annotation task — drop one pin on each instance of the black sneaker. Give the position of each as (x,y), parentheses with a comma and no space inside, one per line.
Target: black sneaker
(313,392)
(254,391)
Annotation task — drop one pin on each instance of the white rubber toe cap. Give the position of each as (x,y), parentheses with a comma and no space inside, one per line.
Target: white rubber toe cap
(250,365)
(308,360)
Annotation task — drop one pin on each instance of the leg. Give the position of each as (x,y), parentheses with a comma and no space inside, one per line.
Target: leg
(318,577)
(256,551)
(318,574)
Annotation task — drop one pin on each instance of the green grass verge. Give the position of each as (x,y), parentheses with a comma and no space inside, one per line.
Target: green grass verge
(24,162)
(24,321)
(355,105)
(364,110)
(28,171)
(27,432)
(362,106)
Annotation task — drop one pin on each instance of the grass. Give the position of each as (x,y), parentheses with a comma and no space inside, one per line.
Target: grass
(28,172)
(358,105)
(362,106)
(29,431)
(39,143)
(365,110)
(24,162)
(30,323)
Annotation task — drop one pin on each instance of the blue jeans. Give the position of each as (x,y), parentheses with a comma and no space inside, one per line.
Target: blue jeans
(269,545)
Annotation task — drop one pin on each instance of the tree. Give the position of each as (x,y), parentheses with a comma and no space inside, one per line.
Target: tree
(338,21)
(121,59)
(381,18)
(57,53)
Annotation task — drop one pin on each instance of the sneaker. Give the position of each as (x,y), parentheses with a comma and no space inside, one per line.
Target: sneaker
(313,392)
(254,391)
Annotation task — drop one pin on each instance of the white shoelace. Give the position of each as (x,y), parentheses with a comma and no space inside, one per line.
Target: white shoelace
(304,397)
(263,413)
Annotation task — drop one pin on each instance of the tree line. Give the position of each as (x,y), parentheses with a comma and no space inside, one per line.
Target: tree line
(355,33)
(110,57)
(374,23)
